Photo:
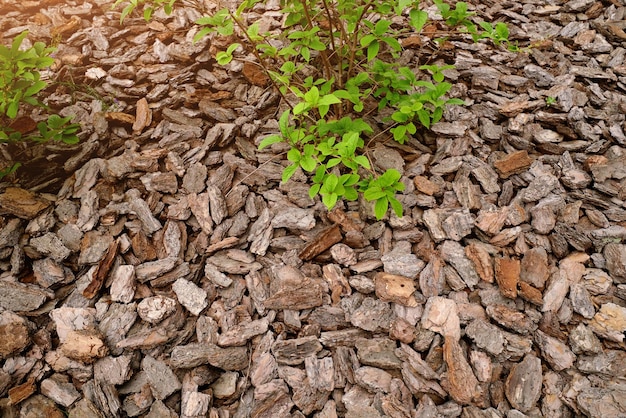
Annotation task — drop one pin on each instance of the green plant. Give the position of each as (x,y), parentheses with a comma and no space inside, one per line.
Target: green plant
(460,17)
(335,62)
(148,9)
(550,101)
(21,83)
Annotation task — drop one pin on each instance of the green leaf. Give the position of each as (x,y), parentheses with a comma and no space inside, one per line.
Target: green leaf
(288,172)
(294,155)
(328,99)
(272,139)
(389,177)
(381,27)
(202,33)
(367,39)
(372,50)
(424,118)
(329,200)
(300,108)
(308,163)
(305,52)
(399,133)
(332,162)
(350,194)
(283,122)
(373,193)
(312,96)
(330,183)
(380,208)
(502,30)
(12,109)
(396,206)
(314,190)
(393,43)
(455,101)
(418,19)
(363,161)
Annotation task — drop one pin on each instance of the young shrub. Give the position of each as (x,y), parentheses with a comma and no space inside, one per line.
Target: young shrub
(21,84)
(338,62)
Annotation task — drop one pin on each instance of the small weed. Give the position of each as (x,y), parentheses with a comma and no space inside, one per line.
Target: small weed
(21,84)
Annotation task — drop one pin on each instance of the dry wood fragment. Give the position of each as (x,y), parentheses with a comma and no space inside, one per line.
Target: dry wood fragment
(507,272)
(395,288)
(22,203)
(513,163)
(102,271)
(326,239)
(463,385)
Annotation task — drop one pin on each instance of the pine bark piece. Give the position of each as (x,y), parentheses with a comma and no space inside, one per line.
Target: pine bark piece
(432,277)
(50,245)
(337,282)
(22,203)
(152,270)
(556,353)
(102,271)
(197,354)
(326,239)
(143,115)
(123,284)
(534,267)
(441,315)
(610,322)
(190,296)
(149,224)
(414,359)
(296,296)
(199,205)
(58,388)
(615,255)
(453,253)
(507,272)
(486,336)
(294,218)
(48,272)
(478,254)
(513,163)
(14,334)
(425,186)
(22,391)
(511,319)
(84,345)
(271,400)
(463,385)
(293,352)
(160,182)
(161,378)
(239,335)
(115,370)
(395,288)
(523,385)
(373,379)
(320,373)
(530,294)
(261,232)
(372,315)
(378,352)
(344,337)
(21,297)
(217,204)
(156,308)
